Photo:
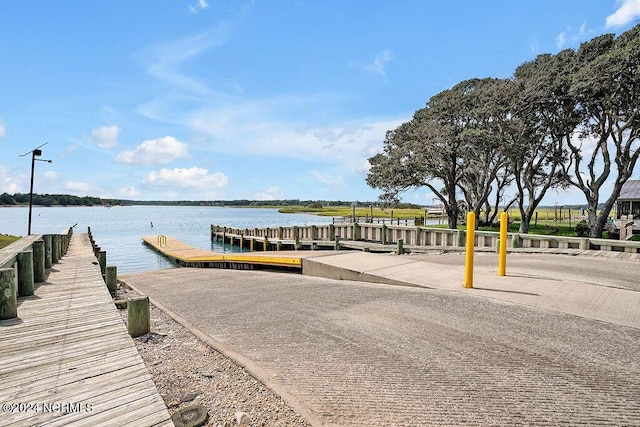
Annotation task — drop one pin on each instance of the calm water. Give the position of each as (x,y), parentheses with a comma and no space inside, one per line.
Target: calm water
(118,230)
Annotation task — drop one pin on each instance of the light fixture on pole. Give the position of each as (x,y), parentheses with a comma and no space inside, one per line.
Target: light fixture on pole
(35,152)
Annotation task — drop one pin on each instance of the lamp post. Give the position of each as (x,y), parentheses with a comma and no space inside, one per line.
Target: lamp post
(35,152)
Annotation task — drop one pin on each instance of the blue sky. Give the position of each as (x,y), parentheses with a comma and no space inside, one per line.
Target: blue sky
(263,99)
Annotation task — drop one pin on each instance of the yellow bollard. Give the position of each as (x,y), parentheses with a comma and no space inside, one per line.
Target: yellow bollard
(468,271)
(502,257)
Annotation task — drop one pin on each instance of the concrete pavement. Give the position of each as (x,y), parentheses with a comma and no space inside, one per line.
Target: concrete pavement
(533,279)
(545,345)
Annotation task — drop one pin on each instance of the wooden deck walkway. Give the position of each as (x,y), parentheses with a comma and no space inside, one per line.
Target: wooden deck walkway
(188,256)
(67,360)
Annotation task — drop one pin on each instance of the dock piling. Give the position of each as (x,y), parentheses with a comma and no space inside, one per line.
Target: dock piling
(25,273)
(8,296)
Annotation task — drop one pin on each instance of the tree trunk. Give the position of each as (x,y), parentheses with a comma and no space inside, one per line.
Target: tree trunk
(524,222)
(601,219)
(452,218)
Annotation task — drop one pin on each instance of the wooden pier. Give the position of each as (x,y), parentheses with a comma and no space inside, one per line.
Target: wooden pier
(67,359)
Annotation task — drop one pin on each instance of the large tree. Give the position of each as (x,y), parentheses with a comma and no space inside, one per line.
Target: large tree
(451,146)
(423,152)
(543,120)
(482,107)
(607,85)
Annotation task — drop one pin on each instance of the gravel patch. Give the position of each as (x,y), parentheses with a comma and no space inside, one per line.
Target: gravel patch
(188,371)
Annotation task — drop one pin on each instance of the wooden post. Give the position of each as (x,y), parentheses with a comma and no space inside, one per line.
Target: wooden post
(356,231)
(296,237)
(111,279)
(25,274)
(265,244)
(400,249)
(38,261)
(102,259)
(332,231)
(8,297)
(314,232)
(461,237)
(47,251)
(55,248)
(383,234)
(138,316)
(336,245)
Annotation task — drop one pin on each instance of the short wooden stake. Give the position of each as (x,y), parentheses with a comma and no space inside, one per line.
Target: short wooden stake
(8,297)
(25,274)
(111,279)
(400,248)
(138,316)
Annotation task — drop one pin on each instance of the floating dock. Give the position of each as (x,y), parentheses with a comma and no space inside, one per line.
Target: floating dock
(188,256)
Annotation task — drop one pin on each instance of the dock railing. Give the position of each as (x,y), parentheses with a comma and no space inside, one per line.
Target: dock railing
(24,262)
(412,237)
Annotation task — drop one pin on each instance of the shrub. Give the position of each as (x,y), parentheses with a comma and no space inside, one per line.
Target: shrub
(582,229)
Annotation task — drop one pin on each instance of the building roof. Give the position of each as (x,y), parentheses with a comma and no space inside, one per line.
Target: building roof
(630,190)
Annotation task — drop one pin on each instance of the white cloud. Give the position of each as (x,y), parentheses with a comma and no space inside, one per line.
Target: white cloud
(628,11)
(3,131)
(200,5)
(561,39)
(128,192)
(155,151)
(79,188)
(250,130)
(11,182)
(192,178)
(105,136)
(164,62)
(327,178)
(573,36)
(534,46)
(51,175)
(379,61)
(270,193)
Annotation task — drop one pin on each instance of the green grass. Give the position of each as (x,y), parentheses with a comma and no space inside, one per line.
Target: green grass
(6,240)
(545,228)
(347,211)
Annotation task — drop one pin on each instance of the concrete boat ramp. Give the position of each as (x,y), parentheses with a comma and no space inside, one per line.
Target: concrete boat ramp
(556,341)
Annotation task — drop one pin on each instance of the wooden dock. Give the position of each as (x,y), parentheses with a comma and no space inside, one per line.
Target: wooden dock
(67,360)
(188,256)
